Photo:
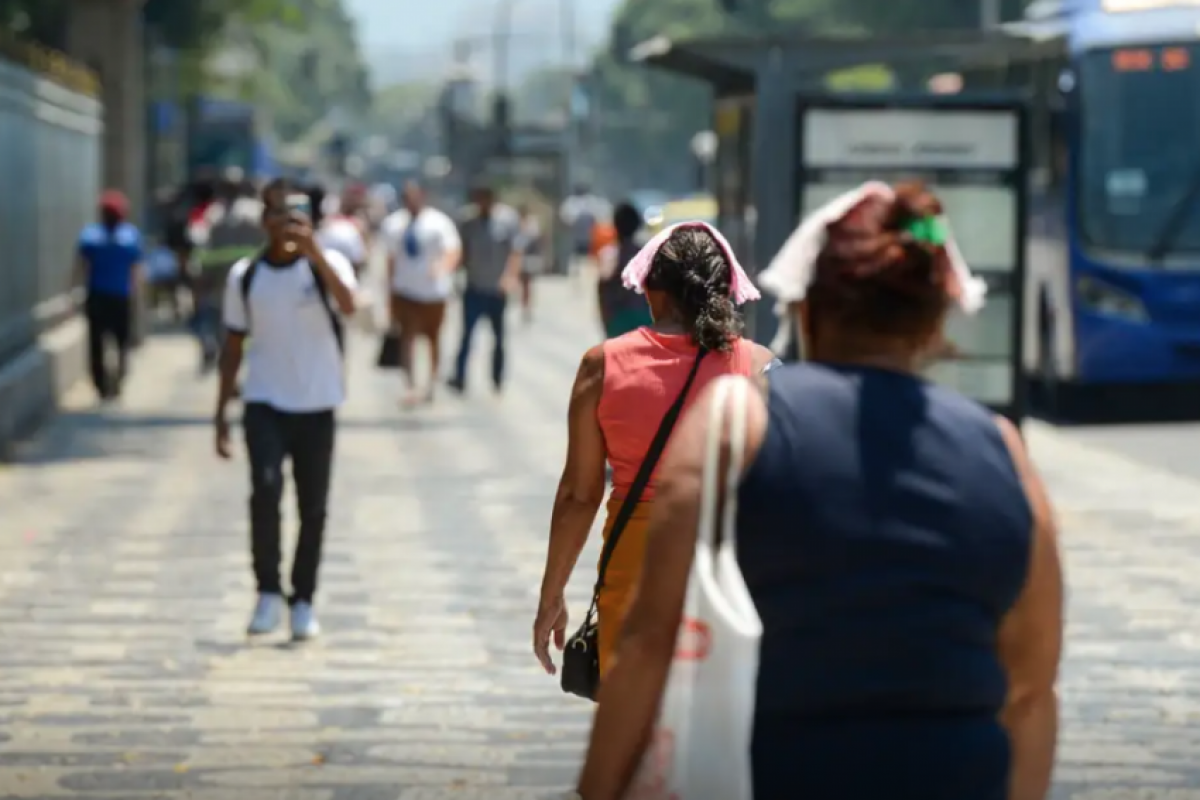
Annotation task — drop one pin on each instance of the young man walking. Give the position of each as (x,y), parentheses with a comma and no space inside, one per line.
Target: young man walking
(491,259)
(284,307)
(108,265)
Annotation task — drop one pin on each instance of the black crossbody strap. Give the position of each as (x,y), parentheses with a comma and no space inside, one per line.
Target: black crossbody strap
(653,454)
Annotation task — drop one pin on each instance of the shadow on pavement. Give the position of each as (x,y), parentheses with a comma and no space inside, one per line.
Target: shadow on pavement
(112,433)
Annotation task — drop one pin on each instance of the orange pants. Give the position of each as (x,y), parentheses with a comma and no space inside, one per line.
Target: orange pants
(621,579)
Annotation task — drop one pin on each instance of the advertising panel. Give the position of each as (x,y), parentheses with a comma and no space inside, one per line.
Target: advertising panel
(971,158)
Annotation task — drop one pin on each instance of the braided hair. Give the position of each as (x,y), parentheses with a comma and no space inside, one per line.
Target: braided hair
(693,270)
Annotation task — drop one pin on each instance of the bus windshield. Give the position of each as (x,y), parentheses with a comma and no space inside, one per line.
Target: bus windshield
(1140,146)
(221,146)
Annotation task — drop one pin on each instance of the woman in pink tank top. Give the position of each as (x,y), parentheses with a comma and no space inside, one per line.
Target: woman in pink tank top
(623,391)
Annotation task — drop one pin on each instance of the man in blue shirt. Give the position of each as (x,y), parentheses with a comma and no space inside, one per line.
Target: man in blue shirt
(110,255)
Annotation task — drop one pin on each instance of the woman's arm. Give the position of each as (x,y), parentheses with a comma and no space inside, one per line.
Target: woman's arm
(632,691)
(1030,643)
(580,493)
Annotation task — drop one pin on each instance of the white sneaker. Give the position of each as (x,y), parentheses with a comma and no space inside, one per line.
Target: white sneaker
(268,613)
(304,622)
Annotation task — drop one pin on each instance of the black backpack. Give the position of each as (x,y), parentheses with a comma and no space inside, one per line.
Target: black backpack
(322,292)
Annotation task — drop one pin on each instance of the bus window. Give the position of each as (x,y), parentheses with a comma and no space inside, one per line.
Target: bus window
(1139,126)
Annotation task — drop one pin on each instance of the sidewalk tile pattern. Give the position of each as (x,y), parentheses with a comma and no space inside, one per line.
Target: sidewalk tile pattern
(124,589)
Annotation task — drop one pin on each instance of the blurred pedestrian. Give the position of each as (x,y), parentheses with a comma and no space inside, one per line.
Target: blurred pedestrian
(531,244)
(344,231)
(284,309)
(424,250)
(621,309)
(492,263)
(581,212)
(234,233)
(896,541)
(108,265)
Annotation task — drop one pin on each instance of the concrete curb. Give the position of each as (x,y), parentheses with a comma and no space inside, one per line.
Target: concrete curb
(33,383)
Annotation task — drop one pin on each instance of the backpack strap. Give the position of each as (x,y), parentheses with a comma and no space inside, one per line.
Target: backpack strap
(246,281)
(335,322)
(334,319)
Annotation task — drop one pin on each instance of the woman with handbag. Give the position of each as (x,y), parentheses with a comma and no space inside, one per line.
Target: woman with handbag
(627,395)
(896,543)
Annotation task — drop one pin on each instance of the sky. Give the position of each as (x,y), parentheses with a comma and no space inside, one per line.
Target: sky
(413,39)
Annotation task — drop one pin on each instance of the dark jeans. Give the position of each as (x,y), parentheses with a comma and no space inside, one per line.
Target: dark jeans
(206,325)
(109,318)
(479,303)
(307,439)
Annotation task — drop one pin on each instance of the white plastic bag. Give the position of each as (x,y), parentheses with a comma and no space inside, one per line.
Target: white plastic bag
(700,748)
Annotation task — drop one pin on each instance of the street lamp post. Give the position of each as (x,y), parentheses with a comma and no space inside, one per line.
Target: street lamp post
(704,148)
(500,55)
(989,14)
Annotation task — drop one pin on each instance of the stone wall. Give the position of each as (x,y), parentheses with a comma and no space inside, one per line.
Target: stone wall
(51,134)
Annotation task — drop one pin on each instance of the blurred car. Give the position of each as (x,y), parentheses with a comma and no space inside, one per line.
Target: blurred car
(649,202)
(686,209)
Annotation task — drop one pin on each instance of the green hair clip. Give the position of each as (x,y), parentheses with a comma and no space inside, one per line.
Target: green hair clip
(928,230)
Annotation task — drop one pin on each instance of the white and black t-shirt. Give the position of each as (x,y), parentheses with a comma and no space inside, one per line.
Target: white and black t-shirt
(342,235)
(418,247)
(293,356)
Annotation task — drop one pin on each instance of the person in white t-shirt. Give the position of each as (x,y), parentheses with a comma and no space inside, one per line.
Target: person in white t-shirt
(343,234)
(284,310)
(424,249)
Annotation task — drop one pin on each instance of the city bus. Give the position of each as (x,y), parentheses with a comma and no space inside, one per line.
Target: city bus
(1113,293)
(228,134)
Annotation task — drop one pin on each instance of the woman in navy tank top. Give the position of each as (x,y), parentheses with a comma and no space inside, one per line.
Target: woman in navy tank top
(898,545)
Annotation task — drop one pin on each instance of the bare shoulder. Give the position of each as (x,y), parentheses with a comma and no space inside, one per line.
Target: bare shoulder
(1013,439)
(760,356)
(590,377)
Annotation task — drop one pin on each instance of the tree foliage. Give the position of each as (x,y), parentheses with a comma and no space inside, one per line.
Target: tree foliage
(199,24)
(309,69)
(41,21)
(306,51)
(306,55)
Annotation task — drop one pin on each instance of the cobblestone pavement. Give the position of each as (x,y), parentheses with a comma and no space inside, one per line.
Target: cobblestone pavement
(124,589)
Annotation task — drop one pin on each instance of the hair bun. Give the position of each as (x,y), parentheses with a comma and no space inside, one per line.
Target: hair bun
(913,202)
(873,270)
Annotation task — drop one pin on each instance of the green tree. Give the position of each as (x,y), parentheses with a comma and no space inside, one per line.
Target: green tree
(199,24)
(306,55)
(41,21)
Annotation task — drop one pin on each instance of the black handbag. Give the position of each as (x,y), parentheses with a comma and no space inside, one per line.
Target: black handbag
(389,352)
(581,655)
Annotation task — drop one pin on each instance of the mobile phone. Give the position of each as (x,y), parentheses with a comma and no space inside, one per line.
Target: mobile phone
(299,204)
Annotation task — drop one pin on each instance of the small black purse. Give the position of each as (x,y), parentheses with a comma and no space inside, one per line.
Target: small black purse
(581,655)
(389,352)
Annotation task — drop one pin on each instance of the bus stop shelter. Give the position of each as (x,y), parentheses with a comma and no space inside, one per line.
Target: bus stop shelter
(766,91)
(756,82)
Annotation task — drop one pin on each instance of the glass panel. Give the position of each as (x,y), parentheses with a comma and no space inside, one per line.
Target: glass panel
(1138,147)
(981,202)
